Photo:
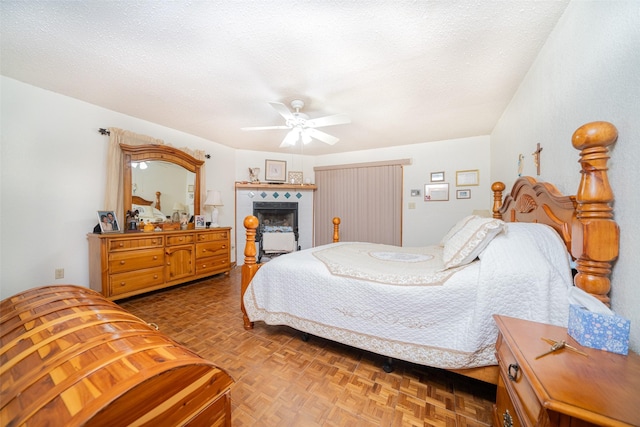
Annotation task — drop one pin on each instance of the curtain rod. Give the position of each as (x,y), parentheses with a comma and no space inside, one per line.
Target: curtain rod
(104,131)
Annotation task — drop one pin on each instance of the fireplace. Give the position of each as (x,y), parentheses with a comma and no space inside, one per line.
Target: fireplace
(276,217)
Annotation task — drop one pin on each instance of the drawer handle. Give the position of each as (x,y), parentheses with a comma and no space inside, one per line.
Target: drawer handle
(122,262)
(123,283)
(516,368)
(507,419)
(155,257)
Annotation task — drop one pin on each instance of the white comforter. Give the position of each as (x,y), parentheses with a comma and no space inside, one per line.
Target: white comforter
(523,273)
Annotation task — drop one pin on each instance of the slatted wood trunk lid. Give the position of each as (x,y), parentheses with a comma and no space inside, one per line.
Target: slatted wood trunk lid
(70,357)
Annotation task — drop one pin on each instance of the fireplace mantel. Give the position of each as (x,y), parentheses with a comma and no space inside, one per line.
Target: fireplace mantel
(244,185)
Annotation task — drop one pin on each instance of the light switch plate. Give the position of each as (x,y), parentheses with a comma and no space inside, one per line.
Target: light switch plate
(415,193)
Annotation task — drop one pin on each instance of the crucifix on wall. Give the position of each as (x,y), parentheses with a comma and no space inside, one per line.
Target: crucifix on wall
(536,158)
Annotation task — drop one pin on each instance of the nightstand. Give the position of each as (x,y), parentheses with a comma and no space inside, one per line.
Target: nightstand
(563,388)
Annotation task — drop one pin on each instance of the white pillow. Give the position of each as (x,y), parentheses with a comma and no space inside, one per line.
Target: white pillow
(465,245)
(456,228)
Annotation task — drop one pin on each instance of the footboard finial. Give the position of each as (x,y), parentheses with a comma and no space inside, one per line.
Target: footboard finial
(249,268)
(595,235)
(336,229)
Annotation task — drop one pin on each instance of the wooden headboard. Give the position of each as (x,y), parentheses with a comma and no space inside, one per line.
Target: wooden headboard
(137,200)
(584,221)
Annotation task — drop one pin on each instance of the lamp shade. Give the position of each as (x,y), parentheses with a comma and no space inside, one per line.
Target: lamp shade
(213,198)
(177,206)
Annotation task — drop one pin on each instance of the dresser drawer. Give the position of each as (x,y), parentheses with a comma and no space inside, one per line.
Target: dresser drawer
(523,398)
(204,250)
(212,264)
(133,280)
(135,260)
(212,235)
(135,243)
(179,239)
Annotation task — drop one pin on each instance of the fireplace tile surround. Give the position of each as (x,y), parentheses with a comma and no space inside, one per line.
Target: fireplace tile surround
(247,193)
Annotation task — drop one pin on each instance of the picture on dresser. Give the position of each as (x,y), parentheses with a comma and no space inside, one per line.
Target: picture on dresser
(200,221)
(108,222)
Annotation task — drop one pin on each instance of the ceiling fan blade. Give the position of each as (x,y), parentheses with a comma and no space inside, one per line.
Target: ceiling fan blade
(337,119)
(283,110)
(291,138)
(321,136)
(265,127)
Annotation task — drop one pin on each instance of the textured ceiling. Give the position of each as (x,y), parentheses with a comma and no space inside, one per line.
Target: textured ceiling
(405,71)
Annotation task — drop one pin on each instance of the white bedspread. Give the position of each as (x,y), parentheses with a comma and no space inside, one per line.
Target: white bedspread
(523,273)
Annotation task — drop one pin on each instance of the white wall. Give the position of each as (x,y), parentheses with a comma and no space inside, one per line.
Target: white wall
(53,177)
(588,70)
(427,222)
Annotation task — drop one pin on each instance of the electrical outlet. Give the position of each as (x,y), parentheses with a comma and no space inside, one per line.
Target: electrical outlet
(59,273)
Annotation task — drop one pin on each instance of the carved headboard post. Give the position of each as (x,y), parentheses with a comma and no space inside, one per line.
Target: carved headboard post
(497,188)
(596,235)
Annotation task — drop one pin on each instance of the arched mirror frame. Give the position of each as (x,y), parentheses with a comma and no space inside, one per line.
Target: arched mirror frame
(140,153)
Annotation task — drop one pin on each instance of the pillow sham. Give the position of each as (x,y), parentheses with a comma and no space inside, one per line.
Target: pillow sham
(456,228)
(465,245)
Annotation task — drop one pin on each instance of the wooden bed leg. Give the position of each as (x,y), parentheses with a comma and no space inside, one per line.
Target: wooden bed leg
(595,236)
(249,268)
(388,366)
(336,229)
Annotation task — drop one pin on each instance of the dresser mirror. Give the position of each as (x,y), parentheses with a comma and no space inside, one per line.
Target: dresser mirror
(159,172)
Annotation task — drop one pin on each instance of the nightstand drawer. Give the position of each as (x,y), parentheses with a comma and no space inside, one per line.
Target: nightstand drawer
(522,396)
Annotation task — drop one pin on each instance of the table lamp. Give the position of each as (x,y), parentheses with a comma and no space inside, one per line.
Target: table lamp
(214,199)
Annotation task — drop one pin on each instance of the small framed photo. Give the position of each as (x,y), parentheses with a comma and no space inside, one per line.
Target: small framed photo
(200,221)
(108,222)
(437,176)
(294,177)
(470,177)
(436,192)
(275,170)
(463,194)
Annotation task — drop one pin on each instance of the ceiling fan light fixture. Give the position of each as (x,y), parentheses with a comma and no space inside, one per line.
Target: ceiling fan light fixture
(301,127)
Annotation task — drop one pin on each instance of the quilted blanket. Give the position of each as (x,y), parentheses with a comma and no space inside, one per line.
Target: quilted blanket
(523,273)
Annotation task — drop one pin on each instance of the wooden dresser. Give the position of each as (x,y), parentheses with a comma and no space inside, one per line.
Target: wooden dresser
(126,264)
(563,388)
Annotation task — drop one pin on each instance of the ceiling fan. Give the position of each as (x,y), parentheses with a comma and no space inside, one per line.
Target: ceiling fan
(301,127)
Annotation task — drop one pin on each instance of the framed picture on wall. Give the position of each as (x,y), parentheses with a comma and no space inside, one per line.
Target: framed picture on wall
(275,170)
(470,177)
(437,176)
(463,194)
(436,192)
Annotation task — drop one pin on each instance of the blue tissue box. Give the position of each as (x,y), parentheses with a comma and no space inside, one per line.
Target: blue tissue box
(601,331)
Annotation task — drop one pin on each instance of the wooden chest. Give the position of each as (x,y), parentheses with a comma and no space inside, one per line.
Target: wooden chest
(70,355)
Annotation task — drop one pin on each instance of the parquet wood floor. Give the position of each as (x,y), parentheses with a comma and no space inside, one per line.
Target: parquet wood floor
(283,381)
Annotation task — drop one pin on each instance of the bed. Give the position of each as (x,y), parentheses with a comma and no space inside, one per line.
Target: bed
(148,211)
(433,305)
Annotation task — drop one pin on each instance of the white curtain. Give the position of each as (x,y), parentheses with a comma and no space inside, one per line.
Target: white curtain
(114,194)
(366,197)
